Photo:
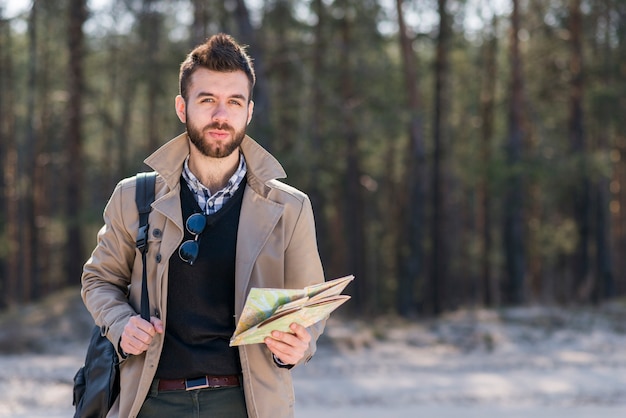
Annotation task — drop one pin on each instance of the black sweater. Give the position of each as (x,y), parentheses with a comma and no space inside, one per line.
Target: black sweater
(201,297)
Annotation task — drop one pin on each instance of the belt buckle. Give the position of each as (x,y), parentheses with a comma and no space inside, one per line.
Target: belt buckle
(197,383)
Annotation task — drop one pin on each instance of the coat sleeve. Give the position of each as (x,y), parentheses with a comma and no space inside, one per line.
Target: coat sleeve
(107,273)
(303,266)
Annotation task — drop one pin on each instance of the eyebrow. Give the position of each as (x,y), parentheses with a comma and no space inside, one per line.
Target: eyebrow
(232,96)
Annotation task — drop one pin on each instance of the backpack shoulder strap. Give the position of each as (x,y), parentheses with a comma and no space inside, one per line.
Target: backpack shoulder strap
(144,196)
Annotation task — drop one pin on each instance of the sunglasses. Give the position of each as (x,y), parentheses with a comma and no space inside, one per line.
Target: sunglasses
(188,251)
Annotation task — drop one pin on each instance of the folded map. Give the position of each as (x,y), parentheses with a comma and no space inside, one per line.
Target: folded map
(269,309)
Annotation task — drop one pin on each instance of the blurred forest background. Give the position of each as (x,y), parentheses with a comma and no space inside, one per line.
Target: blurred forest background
(457,152)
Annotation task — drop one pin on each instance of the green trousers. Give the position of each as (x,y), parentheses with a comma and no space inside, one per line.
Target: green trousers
(225,402)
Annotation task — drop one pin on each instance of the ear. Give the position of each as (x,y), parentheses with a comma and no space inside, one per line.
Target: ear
(250,111)
(181,108)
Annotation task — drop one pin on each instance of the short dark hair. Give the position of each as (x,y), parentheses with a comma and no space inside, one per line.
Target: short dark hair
(219,53)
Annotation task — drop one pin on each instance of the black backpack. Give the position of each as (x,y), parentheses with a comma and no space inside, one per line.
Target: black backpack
(97,383)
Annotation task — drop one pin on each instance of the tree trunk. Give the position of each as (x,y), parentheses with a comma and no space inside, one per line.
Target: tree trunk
(411,199)
(11,276)
(199,29)
(75,172)
(315,191)
(150,24)
(4,139)
(28,151)
(353,197)
(284,115)
(438,234)
(42,178)
(513,212)
(490,296)
(261,123)
(606,288)
(123,128)
(583,281)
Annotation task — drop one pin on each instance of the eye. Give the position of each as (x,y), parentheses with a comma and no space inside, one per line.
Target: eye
(235,102)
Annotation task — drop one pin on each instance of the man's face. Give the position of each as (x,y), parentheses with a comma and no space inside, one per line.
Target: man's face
(217,111)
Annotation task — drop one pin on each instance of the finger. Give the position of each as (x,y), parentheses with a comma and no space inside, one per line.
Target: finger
(301,332)
(132,344)
(299,338)
(157,324)
(142,325)
(136,347)
(285,343)
(142,337)
(282,351)
(289,348)
(137,335)
(127,345)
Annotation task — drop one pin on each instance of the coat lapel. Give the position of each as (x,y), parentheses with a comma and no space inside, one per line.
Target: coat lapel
(258,219)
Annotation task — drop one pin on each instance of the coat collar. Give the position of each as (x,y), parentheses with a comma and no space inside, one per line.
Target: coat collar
(262,166)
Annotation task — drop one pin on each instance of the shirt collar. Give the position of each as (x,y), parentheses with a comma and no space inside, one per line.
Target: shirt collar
(233,182)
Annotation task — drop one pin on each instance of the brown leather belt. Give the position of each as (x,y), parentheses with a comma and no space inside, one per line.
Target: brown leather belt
(198,383)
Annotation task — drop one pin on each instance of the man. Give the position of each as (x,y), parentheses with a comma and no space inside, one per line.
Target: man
(221,224)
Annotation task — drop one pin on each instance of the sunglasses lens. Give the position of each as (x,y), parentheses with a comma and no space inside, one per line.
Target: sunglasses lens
(188,251)
(195,223)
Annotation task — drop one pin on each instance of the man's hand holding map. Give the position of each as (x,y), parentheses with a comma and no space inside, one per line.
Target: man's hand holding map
(267,310)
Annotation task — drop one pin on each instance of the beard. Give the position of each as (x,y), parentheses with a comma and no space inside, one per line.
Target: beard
(219,149)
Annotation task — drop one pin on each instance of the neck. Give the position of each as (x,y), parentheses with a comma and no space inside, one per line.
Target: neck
(213,173)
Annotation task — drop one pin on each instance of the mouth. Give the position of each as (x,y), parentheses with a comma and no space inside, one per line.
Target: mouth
(219,134)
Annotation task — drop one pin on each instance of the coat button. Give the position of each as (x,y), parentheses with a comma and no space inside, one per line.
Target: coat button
(158,258)
(157,233)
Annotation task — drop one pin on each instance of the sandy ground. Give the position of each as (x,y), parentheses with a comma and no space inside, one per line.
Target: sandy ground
(524,363)
(532,362)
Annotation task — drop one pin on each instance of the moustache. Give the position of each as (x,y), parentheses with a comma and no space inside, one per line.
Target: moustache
(220,126)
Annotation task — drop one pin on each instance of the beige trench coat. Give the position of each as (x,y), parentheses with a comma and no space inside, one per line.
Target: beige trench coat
(276,247)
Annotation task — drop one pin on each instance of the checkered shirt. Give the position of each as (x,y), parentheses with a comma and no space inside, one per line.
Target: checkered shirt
(212,203)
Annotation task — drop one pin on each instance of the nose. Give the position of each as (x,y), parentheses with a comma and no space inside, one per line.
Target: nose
(220,113)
